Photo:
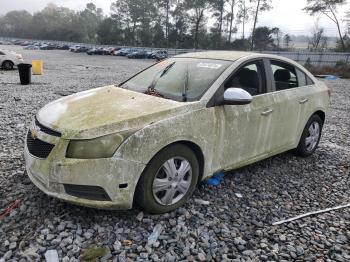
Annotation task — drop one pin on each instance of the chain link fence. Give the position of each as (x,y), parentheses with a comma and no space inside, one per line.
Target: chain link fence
(302,56)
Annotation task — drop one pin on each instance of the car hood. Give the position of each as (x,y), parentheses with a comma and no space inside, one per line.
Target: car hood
(106,110)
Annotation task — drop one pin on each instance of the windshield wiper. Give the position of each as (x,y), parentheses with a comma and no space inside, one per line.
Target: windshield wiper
(159,76)
(166,69)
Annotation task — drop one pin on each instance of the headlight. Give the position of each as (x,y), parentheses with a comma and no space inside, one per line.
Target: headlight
(101,147)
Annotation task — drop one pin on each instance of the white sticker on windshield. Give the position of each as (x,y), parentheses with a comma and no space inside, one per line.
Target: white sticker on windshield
(209,65)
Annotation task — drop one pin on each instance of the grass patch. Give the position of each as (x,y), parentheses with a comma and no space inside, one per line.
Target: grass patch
(94,253)
(340,69)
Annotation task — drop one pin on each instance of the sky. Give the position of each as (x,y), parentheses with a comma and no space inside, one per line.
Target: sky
(286,14)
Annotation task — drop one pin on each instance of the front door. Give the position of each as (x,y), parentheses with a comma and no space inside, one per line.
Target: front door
(245,128)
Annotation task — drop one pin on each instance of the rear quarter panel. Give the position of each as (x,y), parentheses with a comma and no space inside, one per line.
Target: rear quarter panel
(319,100)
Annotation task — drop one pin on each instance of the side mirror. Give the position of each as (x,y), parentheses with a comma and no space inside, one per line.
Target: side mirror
(237,96)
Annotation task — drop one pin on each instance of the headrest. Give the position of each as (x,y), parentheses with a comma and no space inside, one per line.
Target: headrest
(282,75)
(249,78)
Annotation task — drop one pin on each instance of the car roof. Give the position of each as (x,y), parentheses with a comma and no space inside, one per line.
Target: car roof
(219,55)
(235,55)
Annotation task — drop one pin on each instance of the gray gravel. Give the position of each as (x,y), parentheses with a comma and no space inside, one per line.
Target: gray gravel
(229,228)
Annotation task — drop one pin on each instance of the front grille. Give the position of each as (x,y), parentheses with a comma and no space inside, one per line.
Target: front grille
(47,130)
(37,147)
(87,192)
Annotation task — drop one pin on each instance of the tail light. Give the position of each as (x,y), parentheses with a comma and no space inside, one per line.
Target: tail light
(329,92)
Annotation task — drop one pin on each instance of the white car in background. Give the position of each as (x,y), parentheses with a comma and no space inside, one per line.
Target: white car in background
(8,59)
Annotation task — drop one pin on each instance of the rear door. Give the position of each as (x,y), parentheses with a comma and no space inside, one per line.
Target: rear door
(289,102)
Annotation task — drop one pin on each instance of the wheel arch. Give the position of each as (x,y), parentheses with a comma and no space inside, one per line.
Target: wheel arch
(7,60)
(321,114)
(196,149)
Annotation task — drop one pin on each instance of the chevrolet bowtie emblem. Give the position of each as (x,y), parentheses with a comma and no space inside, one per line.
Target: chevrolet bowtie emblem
(34,132)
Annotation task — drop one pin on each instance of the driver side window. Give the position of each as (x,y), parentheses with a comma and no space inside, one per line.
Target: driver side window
(250,77)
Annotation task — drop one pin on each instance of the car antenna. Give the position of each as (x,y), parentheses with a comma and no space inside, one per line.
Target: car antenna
(184,92)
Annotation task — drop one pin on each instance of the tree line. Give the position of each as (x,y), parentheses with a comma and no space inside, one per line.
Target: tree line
(204,24)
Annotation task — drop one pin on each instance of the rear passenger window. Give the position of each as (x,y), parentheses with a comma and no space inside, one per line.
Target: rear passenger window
(309,82)
(304,80)
(284,75)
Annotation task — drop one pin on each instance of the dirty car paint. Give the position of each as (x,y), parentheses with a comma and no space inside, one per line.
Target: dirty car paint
(228,136)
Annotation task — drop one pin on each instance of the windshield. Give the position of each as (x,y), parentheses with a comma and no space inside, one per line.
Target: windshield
(181,79)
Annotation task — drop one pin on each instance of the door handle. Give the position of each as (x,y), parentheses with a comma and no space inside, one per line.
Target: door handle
(303,101)
(267,112)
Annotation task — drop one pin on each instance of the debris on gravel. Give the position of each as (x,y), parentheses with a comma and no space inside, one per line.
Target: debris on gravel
(232,227)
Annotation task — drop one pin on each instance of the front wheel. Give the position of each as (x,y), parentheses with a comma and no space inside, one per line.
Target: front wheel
(168,180)
(310,137)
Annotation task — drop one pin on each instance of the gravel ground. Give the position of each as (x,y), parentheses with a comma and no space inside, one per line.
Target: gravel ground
(235,225)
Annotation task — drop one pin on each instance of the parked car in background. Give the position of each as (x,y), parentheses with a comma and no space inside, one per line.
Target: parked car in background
(17,42)
(97,51)
(161,55)
(121,52)
(138,54)
(153,138)
(112,50)
(158,53)
(48,46)
(9,59)
(81,49)
(2,42)
(31,47)
(125,51)
(74,47)
(63,47)
(25,43)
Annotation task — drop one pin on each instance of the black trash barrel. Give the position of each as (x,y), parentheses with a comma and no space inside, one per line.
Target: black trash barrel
(25,73)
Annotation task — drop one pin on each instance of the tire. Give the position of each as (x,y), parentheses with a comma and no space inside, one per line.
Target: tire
(158,202)
(7,65)
(305,147)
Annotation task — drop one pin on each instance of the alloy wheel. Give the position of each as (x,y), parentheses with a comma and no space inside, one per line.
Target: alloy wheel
(314,134)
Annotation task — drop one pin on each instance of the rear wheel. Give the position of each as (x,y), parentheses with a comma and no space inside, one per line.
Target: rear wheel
(7,65)
(168,180)
(310,137)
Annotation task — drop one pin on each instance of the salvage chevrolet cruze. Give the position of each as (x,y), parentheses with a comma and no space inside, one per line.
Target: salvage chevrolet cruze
(153,138)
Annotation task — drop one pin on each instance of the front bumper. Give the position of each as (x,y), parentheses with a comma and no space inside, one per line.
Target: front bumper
(116,176)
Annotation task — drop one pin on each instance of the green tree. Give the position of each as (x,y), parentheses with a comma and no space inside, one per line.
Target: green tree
(16,24)
(92,17)
(287,41)
(136,17)
(264,39)
(197,9)
(277,33)
(318,41)
(347,20)
(178,36)
(109,32)
(218,8)
(231,17)
(243,15)
(261,6)
(329,9)
(58,23)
